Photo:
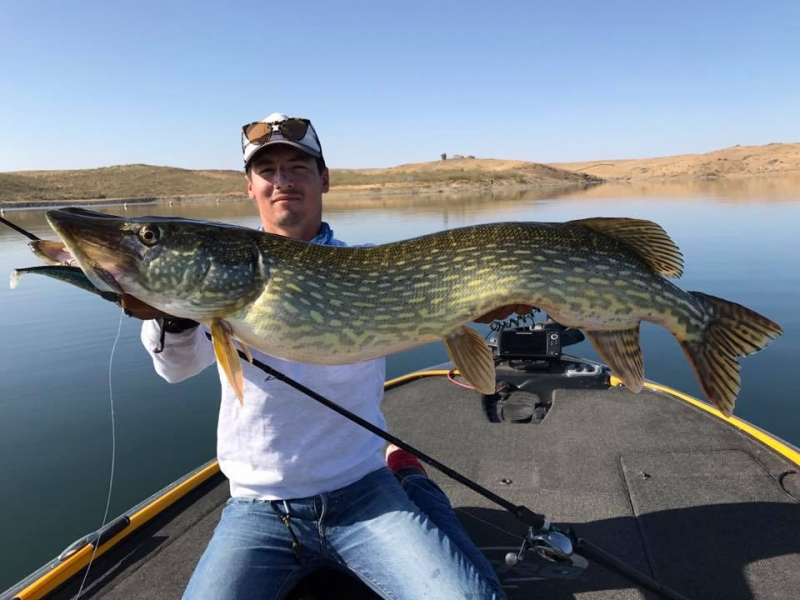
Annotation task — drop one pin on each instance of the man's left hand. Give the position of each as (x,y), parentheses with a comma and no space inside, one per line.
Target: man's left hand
(134,307)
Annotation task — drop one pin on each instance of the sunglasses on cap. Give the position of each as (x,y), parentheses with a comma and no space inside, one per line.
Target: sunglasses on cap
(293,130)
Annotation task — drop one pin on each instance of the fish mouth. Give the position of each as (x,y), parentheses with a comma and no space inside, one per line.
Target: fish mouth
(107,278)
(52,253)
(95,240)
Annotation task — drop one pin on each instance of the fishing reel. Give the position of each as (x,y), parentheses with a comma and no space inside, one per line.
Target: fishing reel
(546,553)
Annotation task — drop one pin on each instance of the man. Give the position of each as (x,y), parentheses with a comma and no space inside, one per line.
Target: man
(306,484)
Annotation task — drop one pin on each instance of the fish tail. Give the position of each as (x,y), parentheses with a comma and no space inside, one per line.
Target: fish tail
(734,331)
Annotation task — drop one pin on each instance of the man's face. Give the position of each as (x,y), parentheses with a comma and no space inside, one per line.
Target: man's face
(287,187)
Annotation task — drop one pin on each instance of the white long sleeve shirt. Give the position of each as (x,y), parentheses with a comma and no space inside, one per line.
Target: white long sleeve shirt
(282,444)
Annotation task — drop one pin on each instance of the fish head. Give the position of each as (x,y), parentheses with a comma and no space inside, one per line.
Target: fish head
(187,268)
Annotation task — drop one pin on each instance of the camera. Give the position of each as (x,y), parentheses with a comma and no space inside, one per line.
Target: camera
(530,344)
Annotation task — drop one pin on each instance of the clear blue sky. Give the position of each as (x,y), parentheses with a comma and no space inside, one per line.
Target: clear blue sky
(88,84)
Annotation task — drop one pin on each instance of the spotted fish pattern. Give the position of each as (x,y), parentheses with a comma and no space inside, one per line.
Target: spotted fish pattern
(333,305)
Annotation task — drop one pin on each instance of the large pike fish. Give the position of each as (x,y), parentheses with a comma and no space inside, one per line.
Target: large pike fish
(326,305)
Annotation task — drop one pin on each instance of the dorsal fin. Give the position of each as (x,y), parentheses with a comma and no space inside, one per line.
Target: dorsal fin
(645,238)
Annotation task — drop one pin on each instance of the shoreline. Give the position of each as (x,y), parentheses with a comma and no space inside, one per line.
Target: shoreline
(339,193)
(141,184)
(394,191)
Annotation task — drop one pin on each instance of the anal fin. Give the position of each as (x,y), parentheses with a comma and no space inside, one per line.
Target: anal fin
(620,350)
(227,356)
(472,356)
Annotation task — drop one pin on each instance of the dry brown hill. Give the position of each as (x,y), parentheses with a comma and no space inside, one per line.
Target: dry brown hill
(738,161)
(145,181)
(457,172)
(124,181)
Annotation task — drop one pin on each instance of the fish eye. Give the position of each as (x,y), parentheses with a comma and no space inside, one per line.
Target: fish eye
(149,235)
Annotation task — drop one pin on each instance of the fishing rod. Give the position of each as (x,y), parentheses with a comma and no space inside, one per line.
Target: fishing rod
(542,537)
(19,229)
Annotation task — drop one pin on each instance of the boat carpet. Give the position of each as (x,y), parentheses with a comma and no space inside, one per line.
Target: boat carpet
(681,496)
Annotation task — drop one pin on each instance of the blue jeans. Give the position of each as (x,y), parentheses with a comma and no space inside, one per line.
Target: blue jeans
(403,542)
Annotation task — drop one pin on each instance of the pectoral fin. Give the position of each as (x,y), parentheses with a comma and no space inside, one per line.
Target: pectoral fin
(227,356)
(621,352)
(473,358)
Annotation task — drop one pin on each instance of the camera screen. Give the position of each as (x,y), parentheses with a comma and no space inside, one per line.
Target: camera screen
(524,343)
(519,343)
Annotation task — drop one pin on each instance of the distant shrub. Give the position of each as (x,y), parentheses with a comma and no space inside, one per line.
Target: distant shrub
(355,177)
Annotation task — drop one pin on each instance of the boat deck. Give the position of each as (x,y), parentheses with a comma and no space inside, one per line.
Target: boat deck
(680,495)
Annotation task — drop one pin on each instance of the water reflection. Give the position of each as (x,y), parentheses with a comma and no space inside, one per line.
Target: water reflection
(727,190)
(739,239)
(459,202)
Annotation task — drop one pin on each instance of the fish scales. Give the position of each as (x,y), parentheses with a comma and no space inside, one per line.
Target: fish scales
(400,289)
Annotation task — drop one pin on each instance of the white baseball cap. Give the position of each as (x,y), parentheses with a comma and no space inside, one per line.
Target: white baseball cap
(271,126)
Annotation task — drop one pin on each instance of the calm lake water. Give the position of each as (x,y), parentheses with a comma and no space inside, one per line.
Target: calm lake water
(739,239)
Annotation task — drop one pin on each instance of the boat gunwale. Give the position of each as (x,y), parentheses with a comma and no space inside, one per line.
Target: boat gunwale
(56,572)
(59,570)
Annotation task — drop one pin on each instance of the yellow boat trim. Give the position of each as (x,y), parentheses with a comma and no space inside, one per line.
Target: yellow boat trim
(763,437)
(417,375)
(62,572)
(67,569)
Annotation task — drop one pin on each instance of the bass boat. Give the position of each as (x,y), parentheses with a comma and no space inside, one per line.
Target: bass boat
(572,486)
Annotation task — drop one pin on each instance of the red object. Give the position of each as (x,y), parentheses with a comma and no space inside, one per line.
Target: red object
(397,458)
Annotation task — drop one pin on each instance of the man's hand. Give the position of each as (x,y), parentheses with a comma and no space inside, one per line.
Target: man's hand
(498,314)
(139,310)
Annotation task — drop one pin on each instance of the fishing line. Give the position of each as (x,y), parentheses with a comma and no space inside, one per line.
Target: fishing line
(521,512)
(535,521)
(113,455)
(19,229)
(451,377)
